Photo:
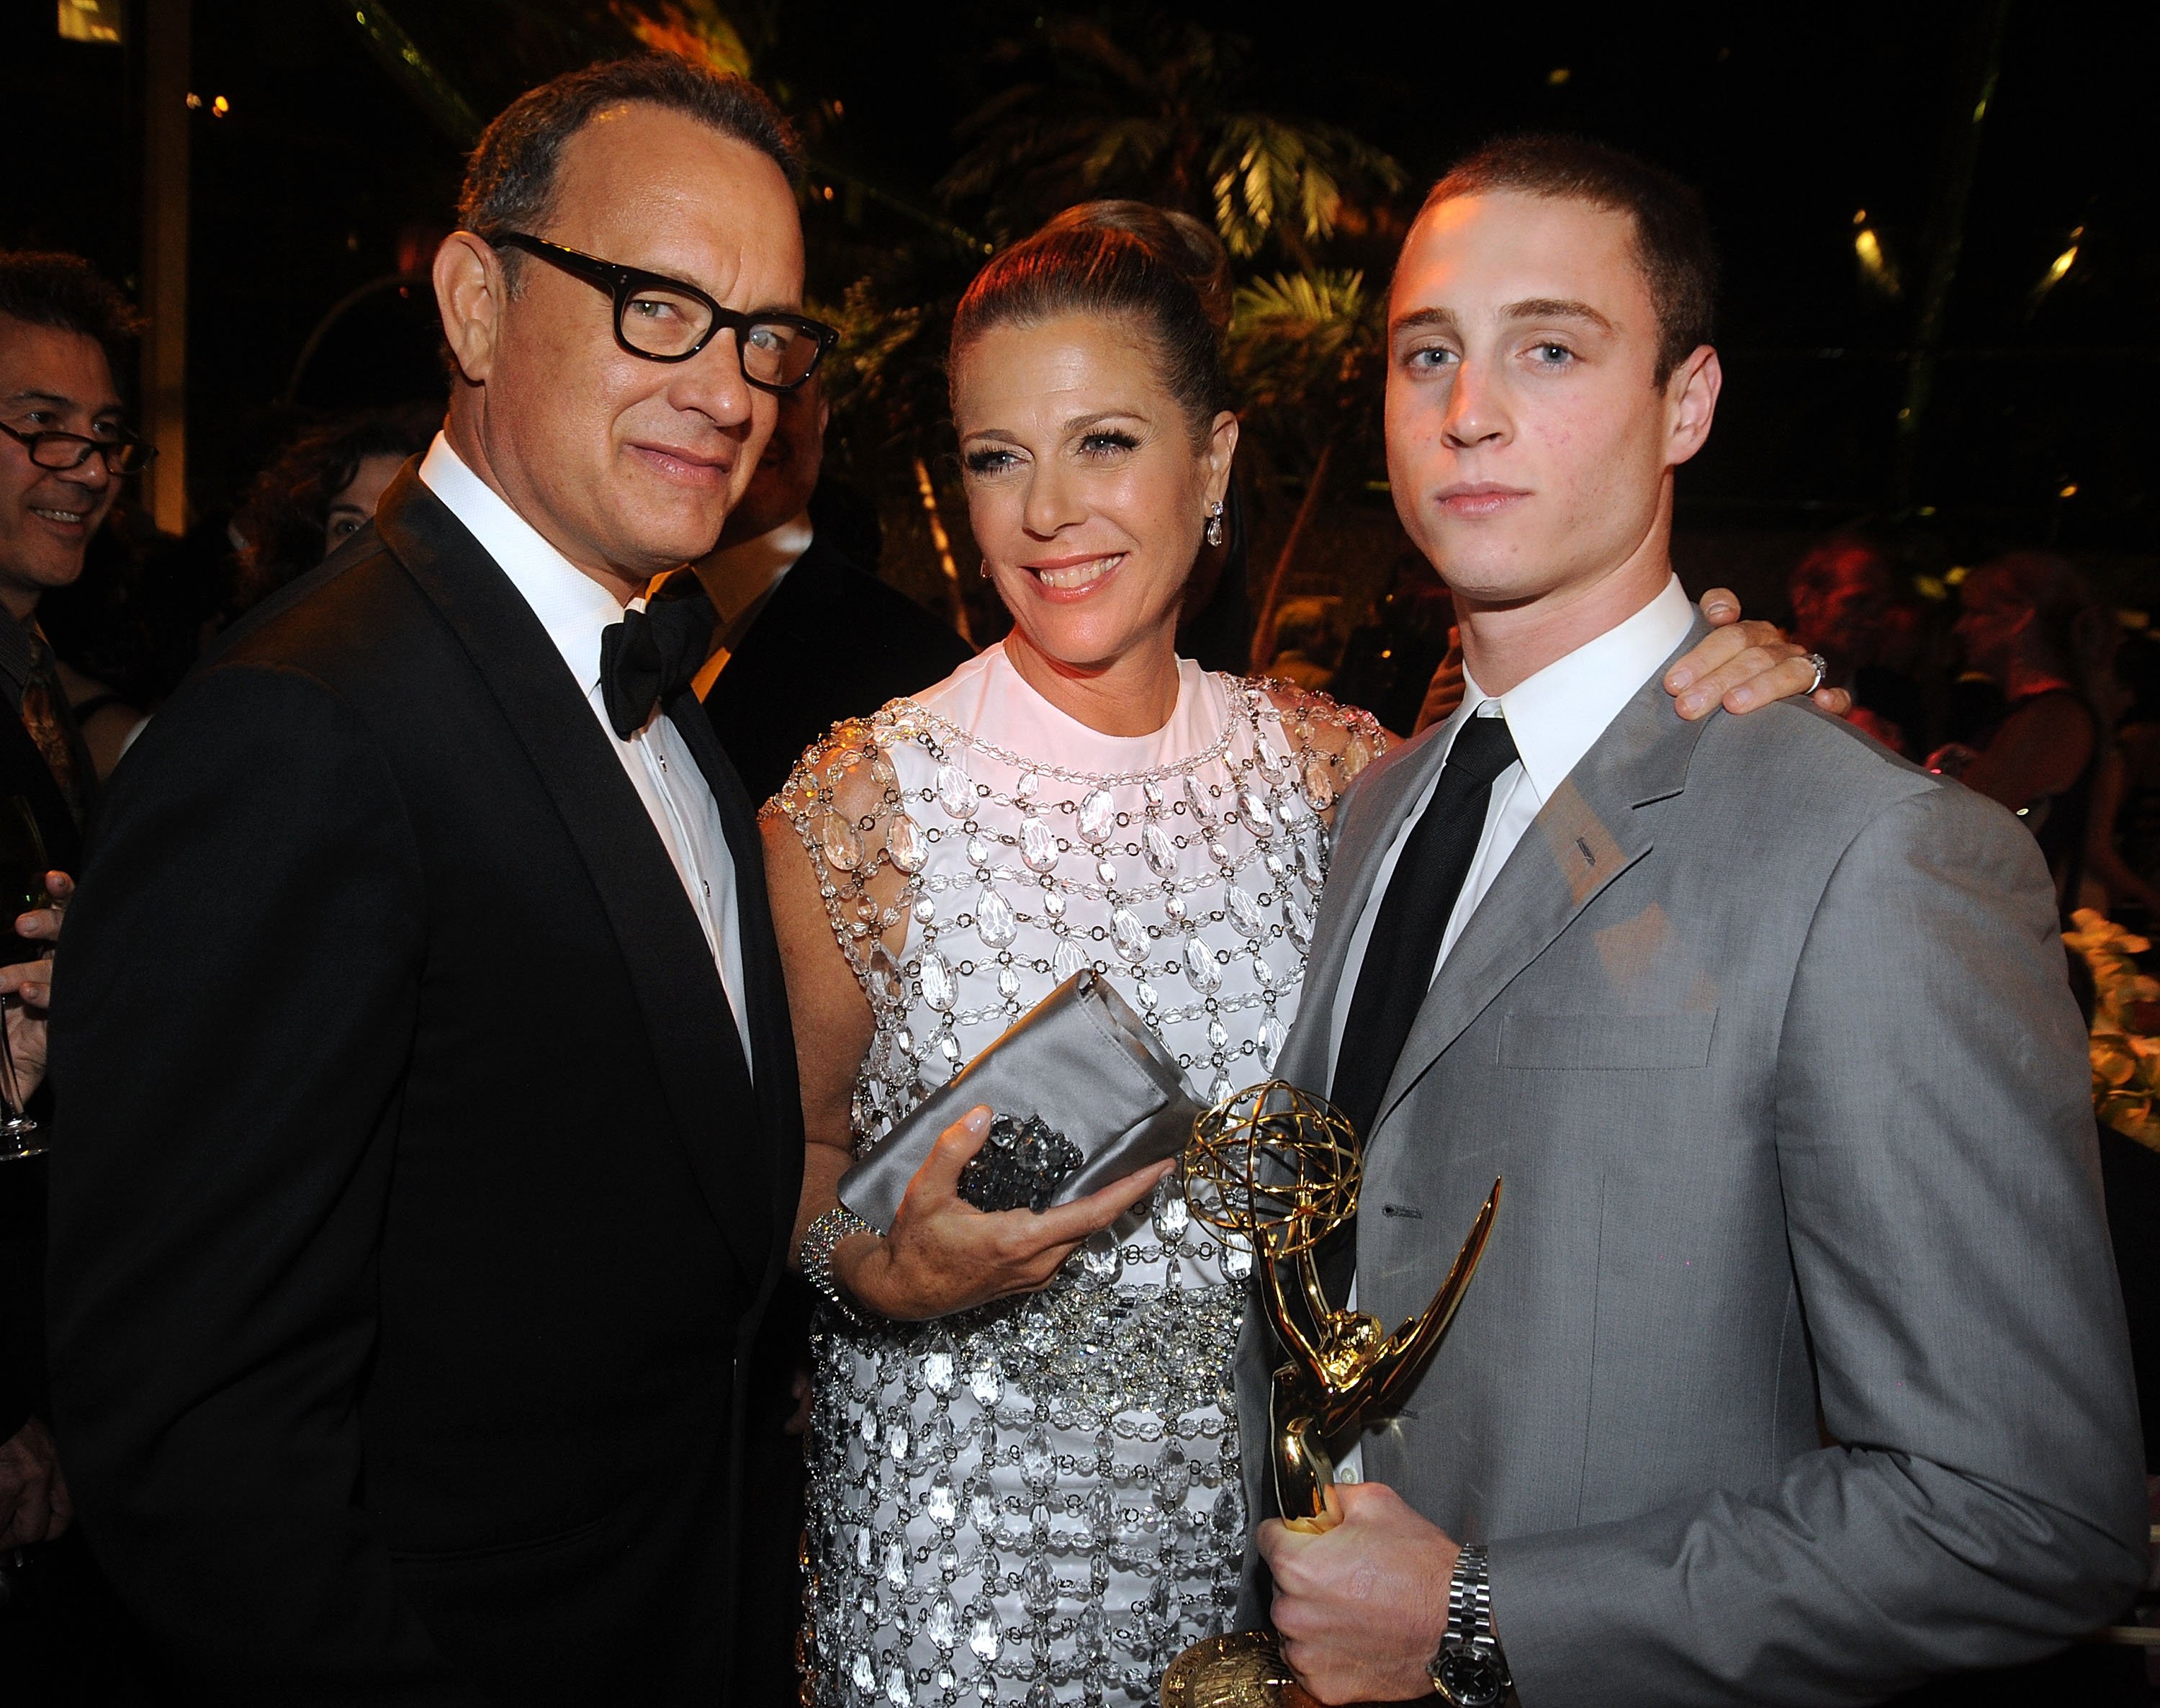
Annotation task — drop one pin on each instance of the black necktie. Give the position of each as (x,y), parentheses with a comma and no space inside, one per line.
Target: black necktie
(650,655)
(1413,919)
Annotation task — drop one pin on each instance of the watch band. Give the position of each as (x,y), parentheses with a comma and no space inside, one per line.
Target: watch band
(815,1254)
(1469,1671)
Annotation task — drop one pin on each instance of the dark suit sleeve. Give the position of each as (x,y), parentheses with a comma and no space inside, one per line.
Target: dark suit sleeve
(233,1015)
(22,1252)
(1983,1502)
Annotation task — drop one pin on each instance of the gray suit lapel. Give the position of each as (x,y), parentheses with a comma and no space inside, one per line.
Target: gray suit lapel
(1585,837)
(1365,825)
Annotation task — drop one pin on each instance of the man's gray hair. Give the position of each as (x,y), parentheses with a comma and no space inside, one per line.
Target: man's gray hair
(510,181)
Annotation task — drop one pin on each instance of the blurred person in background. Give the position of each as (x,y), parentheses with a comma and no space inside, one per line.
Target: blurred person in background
(2122,835)
(67,446)
(64,449)
(128,629)
(804,633)
(1304,643)
(1390,662)
(2031,625)
(1844,595)
(320,492)
(106,719)
(1443,692)
(141,613)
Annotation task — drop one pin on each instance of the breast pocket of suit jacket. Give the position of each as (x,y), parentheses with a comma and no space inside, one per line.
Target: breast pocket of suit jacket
(1606,1043)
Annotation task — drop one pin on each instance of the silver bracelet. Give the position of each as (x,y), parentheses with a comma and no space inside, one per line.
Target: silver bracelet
(815,1254)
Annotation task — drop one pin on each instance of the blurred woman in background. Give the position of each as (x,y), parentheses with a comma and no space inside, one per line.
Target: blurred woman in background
(319,493)
(2031,624)
(1844,606)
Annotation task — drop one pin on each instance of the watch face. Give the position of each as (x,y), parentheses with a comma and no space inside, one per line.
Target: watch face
(1469,1682)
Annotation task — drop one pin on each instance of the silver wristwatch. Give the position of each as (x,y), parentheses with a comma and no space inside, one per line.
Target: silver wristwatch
(815,1254)
(1469,1671)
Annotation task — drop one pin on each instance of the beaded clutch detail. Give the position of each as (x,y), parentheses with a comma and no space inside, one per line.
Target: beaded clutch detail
(1021,1162)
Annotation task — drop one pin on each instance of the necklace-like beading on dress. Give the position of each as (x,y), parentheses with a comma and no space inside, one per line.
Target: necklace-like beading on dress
(1038,1501)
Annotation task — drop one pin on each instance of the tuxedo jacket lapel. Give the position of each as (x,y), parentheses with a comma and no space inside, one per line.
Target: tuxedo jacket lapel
(1591,831)
(772,1040)
(684,1007)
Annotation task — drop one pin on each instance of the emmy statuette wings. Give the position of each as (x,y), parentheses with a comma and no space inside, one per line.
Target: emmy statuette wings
(1280,1168)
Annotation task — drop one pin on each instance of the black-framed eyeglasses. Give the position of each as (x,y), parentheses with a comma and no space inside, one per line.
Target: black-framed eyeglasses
(124,452)
(664,320)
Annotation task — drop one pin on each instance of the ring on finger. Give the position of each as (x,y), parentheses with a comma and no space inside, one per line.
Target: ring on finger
(1821,666)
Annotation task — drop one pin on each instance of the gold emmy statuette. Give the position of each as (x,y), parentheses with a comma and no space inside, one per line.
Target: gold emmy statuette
(1279,1168)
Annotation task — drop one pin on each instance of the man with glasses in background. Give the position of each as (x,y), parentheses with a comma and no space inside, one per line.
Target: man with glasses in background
(433,1133)
(64,449)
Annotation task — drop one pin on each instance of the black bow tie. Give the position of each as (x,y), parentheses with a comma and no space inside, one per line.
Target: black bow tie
(651,655)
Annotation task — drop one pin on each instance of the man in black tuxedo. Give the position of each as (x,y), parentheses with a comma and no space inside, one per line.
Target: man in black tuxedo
(433,1137)
(807,634)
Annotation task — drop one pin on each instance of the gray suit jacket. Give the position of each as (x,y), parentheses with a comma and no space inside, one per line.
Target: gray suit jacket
(1796,1370)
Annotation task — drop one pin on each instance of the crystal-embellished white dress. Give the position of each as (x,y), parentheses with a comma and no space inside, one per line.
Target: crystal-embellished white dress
(1038,1501)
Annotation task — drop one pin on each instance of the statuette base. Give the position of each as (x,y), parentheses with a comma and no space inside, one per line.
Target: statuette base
(1242,1670)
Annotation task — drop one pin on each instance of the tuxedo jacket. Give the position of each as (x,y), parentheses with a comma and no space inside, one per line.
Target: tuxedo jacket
(23,1394)
(1795,1369)
(832,642)
(418,1201)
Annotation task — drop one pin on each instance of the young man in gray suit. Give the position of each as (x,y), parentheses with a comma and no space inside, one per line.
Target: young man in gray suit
(1795,1372)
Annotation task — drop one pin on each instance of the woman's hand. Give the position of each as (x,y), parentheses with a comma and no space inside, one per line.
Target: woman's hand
(943,1254)
(26,988)
(1743,666)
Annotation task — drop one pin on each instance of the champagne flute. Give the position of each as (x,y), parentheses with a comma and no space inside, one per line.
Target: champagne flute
(23,866)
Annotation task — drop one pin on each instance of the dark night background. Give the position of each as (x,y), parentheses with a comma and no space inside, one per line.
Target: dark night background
(329,173)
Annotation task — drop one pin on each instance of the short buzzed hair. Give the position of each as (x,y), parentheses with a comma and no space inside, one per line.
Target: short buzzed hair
(1672,233)
(510,181)
(45,288)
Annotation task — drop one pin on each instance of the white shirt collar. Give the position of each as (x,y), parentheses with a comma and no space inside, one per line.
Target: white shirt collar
(572,606)
(1557,716)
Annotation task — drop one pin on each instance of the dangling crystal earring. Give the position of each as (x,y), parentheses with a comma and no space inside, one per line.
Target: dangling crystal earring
(986,569)
(1215,524)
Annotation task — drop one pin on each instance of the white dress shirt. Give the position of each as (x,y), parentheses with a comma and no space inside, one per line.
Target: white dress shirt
(1556,717)
(575,608)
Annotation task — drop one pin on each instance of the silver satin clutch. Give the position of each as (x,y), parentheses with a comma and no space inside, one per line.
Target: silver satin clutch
(1082,1065)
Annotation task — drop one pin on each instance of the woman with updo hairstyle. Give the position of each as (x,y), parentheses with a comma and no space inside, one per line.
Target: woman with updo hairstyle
(1215,622)
(1025,1482)
(1176,240)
